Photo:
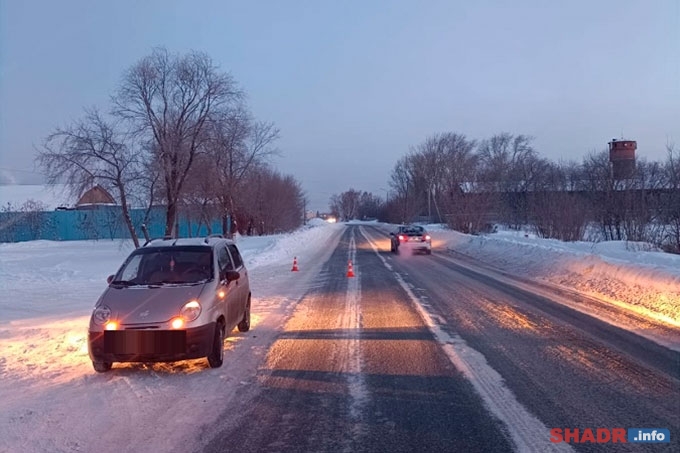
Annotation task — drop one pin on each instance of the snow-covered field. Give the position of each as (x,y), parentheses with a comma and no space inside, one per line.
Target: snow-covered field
(51,399)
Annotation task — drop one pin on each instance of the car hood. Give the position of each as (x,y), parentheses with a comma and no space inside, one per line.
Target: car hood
(146,305)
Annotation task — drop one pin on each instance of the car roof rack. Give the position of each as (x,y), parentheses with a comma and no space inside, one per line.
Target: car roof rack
(163,238)
(213,236)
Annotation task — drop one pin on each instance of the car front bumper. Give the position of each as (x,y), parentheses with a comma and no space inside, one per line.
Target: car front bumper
(151,345)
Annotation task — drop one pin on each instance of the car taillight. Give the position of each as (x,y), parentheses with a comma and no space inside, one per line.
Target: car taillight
(427,237)
(401,237)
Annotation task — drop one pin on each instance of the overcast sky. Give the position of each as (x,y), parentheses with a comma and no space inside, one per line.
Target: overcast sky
(354,84)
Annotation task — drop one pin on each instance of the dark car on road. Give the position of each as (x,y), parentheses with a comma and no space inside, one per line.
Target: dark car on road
(172,299)
(412,237)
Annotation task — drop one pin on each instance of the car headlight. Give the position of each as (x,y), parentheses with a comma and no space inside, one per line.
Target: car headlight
(190,310)
(101,315)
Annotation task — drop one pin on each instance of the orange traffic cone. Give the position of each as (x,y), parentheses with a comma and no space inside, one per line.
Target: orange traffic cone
(350,270)
(295,266)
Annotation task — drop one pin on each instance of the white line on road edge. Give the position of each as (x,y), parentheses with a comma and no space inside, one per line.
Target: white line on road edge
(528,433)
(351,323)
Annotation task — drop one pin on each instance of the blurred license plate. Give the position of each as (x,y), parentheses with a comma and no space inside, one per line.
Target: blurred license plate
(145,341)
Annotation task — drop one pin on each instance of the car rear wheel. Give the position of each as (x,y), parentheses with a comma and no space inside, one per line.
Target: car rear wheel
(216,356)
(101,367)
(244,325)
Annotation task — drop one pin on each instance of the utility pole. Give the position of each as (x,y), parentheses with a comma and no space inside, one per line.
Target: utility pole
(304,211)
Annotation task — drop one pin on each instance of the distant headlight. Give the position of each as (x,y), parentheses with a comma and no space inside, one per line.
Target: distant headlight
(101,315)
(190,310)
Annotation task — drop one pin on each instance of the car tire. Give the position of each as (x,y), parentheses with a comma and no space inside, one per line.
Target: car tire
(429,252)
(244,325)
(216,356)
(101,367)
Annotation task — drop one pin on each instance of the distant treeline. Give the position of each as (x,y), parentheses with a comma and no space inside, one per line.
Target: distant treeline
(472,185)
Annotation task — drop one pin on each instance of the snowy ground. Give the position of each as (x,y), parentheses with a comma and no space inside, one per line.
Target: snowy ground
(51,399)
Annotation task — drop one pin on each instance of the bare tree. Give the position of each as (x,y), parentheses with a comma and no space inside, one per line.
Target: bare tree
(442,176)
(237,144)
(597,182)
(429,169)
(34,219)
(402,184)
(625,209)
(465,201)
(270,202)
(91,151)
(346,204)
(369,206)
(671,203)
(509,165)
(556,211)
(199,201)
(170,100)
(640,204)
(145,188)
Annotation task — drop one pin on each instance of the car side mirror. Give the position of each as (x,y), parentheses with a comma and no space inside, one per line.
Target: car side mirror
(109,279)
(231,276)
(391,234)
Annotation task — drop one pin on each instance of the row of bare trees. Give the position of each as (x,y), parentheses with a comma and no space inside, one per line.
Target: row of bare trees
(178,134)
(473,185)
(354,204)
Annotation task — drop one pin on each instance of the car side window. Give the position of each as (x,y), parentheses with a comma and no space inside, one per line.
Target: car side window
(224,260)
(236,256)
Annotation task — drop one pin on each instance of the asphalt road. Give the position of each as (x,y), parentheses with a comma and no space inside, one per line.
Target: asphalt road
(367,364)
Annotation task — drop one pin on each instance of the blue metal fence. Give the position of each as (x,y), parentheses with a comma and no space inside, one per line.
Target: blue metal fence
(102,222)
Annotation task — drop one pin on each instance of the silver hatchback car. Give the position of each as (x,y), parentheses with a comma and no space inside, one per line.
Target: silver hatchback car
(173,299)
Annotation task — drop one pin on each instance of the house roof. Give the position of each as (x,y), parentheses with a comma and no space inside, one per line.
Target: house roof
(96,196)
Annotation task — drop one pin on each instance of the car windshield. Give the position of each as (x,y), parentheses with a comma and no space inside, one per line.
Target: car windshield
(167,265)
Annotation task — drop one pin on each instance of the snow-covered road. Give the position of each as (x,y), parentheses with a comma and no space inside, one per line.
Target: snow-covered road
(51,399)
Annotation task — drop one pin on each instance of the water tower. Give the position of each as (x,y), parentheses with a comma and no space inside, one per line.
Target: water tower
(622,158)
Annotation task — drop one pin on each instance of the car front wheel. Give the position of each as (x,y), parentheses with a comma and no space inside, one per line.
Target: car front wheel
(101,367)
(216,356)
(244,325)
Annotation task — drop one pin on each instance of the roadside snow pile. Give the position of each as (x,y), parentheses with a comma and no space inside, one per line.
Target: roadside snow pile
(625,274)
(288,246)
